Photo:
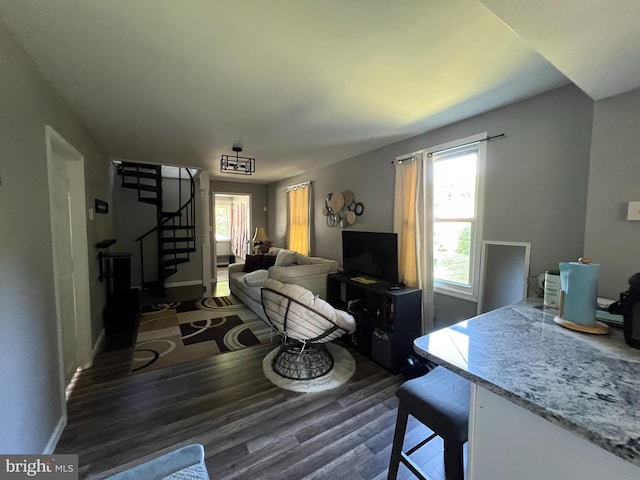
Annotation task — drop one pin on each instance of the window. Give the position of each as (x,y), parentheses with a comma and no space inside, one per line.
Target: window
(457,216)
(223,223)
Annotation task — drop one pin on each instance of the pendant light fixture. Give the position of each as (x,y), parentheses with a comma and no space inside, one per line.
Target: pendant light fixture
(237,165)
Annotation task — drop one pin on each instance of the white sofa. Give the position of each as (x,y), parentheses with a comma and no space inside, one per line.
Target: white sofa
(290,267)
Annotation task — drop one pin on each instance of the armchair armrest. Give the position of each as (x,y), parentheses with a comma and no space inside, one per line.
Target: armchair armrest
(236,267)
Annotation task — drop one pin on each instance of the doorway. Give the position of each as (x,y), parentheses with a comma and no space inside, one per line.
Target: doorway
(232,229)
(70,254)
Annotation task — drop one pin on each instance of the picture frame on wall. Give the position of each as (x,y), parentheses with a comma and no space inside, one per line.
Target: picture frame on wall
(101,206)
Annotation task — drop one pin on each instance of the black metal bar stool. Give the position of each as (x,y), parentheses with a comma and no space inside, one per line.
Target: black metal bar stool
(440,401)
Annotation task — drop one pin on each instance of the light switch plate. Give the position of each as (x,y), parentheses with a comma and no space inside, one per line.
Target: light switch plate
(633,210)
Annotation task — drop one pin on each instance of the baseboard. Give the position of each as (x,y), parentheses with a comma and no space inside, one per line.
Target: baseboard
(55,436)
(98,345)
(183,284)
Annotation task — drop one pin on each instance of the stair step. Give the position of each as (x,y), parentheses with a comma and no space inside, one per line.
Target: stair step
(141,186)
(178,239)
(153,285)
(147,166)
(171,214)
(152,201)
(174,251)
(167,272)
(135,173)
(176,227)
(173,261)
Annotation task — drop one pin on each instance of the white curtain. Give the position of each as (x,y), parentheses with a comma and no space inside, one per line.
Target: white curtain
(239,230)
(413,222)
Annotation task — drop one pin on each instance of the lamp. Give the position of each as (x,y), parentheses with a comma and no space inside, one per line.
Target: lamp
(261,242)
(237,165)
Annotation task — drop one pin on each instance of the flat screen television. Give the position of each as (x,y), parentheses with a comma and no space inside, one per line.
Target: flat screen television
(371,253)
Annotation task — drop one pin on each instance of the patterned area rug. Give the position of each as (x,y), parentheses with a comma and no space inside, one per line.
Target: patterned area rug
(173,333)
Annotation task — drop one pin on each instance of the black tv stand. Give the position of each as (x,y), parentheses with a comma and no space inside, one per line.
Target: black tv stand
(387,320)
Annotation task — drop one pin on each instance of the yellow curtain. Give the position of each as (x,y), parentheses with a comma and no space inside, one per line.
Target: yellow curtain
(298,219)
(413,222)
(406,223)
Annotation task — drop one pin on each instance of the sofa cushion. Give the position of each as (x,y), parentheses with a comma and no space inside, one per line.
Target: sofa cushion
(289,274)
(272,284)
(256,278)
(297,292)
(285,258)
(302,259)
(303,324)
(345,320)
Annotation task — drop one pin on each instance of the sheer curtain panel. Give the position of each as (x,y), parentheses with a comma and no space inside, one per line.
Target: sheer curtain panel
(413,222)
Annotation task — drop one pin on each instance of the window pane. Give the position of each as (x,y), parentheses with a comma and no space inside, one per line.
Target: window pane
(452,251)
(454,181)
(222,224)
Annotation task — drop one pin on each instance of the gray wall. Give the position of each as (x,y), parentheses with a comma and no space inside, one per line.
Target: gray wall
(614,179)
(30,402)
(536,182)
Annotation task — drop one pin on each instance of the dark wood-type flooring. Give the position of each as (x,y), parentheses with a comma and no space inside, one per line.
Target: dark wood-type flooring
(250,428)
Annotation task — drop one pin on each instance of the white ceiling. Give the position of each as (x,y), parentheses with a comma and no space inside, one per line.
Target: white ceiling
(305,83)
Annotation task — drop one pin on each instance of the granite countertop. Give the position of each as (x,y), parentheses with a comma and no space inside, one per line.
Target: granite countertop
(587,384)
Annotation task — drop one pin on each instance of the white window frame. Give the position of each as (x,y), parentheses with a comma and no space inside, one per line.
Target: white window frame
(215,222)
(470,292)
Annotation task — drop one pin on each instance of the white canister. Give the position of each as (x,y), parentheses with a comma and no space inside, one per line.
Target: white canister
(552,289)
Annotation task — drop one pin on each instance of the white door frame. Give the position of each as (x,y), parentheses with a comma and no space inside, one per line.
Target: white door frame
(58,148)
(213,224)
(205,202)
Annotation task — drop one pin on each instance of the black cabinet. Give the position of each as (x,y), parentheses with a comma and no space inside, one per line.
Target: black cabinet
(122,312)
(387,320)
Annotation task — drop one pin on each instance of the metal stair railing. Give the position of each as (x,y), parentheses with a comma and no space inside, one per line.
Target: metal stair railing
(181,220)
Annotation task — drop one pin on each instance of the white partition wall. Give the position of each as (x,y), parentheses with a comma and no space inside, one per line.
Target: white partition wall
(504,268)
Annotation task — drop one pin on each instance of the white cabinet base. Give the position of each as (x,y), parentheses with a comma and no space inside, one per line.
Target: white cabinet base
(508,442)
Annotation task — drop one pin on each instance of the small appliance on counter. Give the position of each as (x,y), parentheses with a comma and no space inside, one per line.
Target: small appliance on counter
(629,307)
(551,287)
(578,297)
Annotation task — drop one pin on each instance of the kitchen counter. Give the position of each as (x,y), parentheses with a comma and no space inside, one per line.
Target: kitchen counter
(586,384)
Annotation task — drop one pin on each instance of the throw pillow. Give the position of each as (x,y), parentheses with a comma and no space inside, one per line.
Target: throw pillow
(256,278)
(253,263)
(285,258)
(269,261)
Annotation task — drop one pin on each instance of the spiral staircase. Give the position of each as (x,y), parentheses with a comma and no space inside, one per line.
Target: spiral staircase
(174,234)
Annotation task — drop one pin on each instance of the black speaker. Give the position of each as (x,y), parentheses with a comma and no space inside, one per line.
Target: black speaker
(381,348)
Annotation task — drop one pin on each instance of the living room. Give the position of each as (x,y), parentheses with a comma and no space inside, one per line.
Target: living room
(560,178)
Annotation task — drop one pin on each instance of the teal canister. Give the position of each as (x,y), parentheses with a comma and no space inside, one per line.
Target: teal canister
(552,289)
(579,283)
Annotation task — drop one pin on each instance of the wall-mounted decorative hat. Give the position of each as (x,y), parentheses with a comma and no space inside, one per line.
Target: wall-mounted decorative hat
(341,209)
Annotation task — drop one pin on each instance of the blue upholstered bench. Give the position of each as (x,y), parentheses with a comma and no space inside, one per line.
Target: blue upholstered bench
(186,463)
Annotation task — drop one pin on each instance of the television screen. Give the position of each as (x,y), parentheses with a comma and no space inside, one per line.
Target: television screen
(371,253)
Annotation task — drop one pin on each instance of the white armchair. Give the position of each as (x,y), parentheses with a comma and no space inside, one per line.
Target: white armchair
(305,323)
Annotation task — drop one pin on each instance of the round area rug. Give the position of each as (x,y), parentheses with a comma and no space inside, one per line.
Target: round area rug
(344,367)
